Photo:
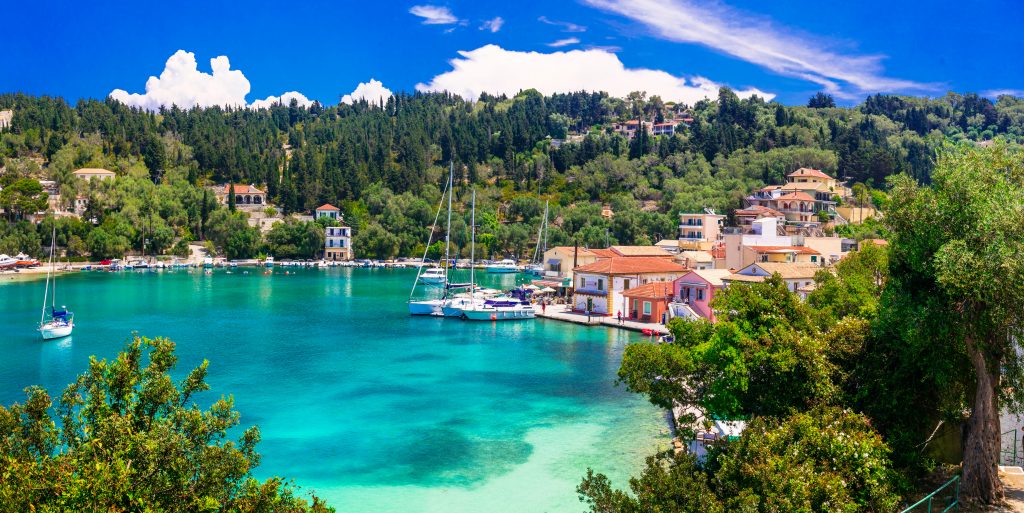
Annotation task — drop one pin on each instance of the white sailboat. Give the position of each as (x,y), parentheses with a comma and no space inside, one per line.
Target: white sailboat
(455,306)
(434,276)
(536,267)
(61,321)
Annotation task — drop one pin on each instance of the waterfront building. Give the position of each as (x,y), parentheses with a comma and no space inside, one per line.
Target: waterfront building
(599,286)
(338,243)
(694,291)
(648,302)
(92,173)
(559,260)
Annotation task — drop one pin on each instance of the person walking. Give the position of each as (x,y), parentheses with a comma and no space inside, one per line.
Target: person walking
(620,317)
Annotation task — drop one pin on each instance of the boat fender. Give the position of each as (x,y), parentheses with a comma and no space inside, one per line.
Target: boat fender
(494,317)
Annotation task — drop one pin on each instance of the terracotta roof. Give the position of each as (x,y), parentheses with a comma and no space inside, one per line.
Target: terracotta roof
(604,253)
(756,210)
(877,242)
(652,290)
(806,171)
(799,196)
(803,250)
(92,171)
(806,186)
(632,265)
(328,206)
(712,276)
(639,251)
(242,189)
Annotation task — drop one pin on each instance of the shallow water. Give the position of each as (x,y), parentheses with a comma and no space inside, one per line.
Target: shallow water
(369,407)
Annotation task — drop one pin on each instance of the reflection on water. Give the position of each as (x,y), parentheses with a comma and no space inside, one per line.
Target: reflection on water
(56,358)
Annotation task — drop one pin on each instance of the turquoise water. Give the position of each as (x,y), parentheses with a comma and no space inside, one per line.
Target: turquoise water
(369,407)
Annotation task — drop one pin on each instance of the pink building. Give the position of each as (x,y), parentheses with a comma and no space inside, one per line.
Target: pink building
(697,288)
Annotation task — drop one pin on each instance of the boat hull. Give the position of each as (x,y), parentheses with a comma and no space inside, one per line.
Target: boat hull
(51,331)
(499,314)
(430,307)
(502,270)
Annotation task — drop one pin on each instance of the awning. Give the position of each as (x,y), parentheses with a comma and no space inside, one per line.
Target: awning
(554,261)
(549,283)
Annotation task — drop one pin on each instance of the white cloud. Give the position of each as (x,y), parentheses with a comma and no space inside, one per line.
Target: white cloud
(285,99)
(434,14)
(564,42)
(372,91)
(182,84)
(494,70)
(493,25)
(566,25)
(757,41)
(996,93)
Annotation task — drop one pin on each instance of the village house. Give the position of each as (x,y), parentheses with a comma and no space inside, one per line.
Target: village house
(560,260)
(337,239)
(694,291)
(649,302)
(696,259)
(701,230)
(640,251)
(783,254)
(5,118)
(245,195)
(670,245)
(90,173)
(796,275)
(745,217)
(599,286)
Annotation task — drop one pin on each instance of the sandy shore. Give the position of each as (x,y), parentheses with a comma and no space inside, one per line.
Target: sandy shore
(38,272)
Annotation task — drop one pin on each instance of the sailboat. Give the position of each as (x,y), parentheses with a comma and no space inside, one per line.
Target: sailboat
(455,305)
(61,321)
(536,267)
(434,276)
(497,308)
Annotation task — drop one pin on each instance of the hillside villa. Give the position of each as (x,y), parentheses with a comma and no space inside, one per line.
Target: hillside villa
(337,239)
(700,230)
(92,173)
(244,195)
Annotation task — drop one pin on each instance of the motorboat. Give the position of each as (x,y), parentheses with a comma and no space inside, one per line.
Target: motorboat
(505,266)
(426,307)
(24,260)
(434,276)
(7,262)
(518,311)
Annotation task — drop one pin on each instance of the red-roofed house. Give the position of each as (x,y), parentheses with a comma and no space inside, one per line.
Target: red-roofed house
(696,289)
(244,195)
(649,302)
(327,210)
(745,217)
(797,206)
(599,286)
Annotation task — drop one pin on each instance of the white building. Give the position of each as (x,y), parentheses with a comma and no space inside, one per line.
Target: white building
(337,239)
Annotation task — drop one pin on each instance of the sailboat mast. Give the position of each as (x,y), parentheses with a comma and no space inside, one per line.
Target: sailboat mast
(448,234)
(42,315)
(472,254)
(430,237)
(545,229)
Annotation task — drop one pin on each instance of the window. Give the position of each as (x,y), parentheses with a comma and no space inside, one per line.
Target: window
(814,258)
(700,294)
(600,284)
(625,284)
(647,308)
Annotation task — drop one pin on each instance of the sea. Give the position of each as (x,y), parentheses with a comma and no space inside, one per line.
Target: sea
(369,408)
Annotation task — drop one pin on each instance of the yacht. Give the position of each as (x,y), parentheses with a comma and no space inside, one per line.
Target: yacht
(505,266)
(434,276)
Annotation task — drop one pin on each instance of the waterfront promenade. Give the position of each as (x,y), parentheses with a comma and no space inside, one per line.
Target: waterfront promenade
(565,314)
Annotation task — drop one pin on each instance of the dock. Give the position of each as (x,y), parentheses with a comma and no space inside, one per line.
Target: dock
(565,314)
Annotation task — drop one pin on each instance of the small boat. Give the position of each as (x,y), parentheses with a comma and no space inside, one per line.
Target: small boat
(24,260)
(535,270)
(208,262)
(61,321)
(505,266)
(7,262)
(434,276)
(516,312)
(426,307)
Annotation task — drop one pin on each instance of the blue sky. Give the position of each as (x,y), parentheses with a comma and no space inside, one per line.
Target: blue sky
(680,49)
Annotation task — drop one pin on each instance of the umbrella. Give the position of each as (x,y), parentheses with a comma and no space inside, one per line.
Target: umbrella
(530,286)
(547,290)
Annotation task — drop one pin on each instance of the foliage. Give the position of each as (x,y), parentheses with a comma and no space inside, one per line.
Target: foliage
(125,437)
(823,460)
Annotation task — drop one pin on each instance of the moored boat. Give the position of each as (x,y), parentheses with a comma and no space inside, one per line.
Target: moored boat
(434,276)
(505,266)
(61,321)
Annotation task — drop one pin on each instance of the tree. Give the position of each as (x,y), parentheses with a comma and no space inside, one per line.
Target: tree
(125,437)
(957,275)
(231,197)
(24,196)
(821,101)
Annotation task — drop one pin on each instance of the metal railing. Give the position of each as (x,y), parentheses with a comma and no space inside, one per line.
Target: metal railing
(948,501)
(1008,449)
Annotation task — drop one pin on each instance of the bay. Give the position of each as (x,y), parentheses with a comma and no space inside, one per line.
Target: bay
(372,409)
